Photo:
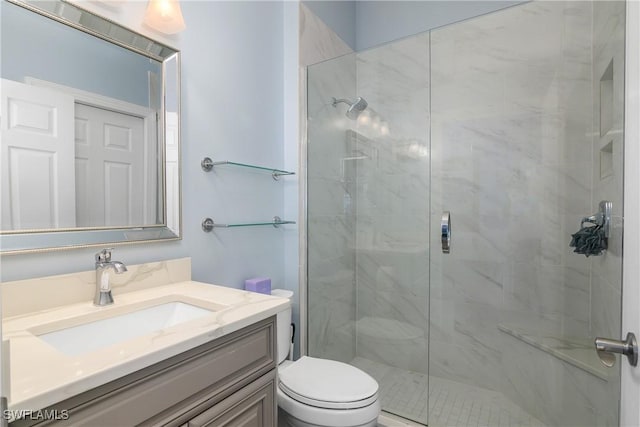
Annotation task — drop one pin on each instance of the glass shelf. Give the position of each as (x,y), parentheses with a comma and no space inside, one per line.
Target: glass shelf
(209,224)
(208,164)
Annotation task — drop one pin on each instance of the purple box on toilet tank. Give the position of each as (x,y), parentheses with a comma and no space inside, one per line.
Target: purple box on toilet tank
(261,285)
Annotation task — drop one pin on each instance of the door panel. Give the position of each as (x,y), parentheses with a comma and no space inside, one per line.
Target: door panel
(110,148)
(118,193)
(37,146)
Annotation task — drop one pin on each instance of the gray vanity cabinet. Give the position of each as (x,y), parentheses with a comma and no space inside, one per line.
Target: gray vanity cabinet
(252,406)
(230,381)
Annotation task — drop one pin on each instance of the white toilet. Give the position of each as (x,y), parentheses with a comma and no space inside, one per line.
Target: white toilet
(318,392)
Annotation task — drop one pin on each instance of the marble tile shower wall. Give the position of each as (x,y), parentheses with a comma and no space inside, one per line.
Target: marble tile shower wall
(512,158)
(392,221)
(318,42)
(331,212)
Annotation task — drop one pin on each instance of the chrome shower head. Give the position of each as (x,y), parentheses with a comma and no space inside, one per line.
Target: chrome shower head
(355,108)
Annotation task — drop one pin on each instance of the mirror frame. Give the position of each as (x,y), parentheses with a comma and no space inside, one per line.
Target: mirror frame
(30,241)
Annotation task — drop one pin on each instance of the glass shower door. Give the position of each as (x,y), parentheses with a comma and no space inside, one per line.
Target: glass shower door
(526,140)
(368,218)
(392,224)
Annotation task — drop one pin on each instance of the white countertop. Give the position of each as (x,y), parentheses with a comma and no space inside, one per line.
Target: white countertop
(42,376)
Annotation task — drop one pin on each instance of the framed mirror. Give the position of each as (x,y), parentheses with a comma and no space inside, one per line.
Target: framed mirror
(90,131)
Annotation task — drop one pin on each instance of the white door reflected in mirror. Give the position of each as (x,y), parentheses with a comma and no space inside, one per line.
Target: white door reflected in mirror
(74,161)
(38,180)
(111,187)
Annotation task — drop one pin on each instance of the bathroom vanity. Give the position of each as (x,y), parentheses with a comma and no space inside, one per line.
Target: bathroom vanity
(229,381)
(177,354)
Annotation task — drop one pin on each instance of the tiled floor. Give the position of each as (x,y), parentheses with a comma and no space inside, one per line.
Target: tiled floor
(451,404)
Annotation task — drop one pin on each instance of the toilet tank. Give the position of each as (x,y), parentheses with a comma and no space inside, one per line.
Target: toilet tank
(283,325)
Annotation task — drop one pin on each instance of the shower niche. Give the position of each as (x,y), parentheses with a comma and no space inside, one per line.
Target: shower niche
(606,100)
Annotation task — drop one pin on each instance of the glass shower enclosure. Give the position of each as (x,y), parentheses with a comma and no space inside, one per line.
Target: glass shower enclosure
(512,123)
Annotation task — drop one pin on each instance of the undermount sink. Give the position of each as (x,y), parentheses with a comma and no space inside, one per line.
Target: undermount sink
(95,335)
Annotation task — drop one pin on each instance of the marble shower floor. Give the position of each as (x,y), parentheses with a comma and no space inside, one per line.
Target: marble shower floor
(452,404)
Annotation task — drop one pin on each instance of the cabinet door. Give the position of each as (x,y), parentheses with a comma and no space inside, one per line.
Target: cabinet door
(252,406)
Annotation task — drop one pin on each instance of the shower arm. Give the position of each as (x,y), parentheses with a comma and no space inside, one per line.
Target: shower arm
(341,100)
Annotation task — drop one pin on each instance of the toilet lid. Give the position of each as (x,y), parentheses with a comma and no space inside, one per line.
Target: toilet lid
(328,384)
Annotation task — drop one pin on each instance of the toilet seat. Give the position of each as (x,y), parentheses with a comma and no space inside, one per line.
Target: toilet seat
(328,384)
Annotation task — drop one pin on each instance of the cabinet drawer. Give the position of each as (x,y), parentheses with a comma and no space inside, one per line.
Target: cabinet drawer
(177,385)
(252,406)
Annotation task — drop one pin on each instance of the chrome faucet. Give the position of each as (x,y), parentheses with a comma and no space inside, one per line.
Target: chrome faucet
(103,286)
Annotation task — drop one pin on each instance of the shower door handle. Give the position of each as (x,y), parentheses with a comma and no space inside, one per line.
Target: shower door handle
(445,232)
(607,347)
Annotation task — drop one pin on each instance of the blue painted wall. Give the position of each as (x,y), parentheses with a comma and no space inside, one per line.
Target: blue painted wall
(380,22)
(33,46)
(363,24)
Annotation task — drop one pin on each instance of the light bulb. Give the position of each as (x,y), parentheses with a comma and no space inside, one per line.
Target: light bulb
(164,16)
(376,123)
(384,128)
(364,118)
